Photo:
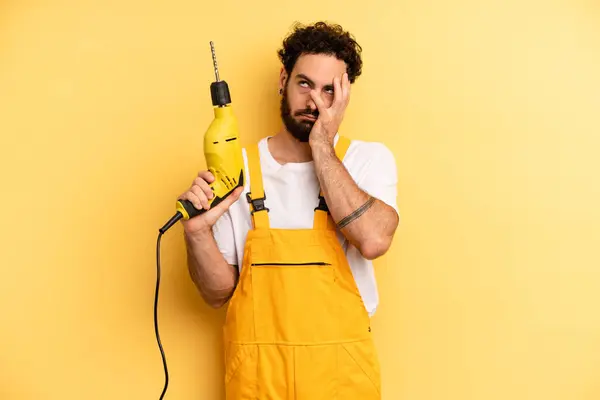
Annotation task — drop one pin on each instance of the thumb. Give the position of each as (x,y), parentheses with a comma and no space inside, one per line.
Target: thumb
(229,200)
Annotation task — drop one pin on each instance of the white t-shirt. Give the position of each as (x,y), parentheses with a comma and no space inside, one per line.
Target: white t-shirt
(292,193)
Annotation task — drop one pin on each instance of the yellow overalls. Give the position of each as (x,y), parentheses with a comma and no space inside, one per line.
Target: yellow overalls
(296,326)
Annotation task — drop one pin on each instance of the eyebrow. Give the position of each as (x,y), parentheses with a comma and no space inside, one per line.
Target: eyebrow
(310,82)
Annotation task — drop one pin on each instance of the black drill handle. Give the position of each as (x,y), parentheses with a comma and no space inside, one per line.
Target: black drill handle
(193,211)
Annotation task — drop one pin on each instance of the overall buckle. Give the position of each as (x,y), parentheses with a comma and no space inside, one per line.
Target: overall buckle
(322,205)
(257,204)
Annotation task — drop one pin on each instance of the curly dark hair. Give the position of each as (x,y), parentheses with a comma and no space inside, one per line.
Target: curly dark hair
(322,38)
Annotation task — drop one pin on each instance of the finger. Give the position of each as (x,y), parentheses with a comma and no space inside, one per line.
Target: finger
(207,176)
(318,101)
(191,197)
(197,190)
(346,88)
(205,187)
(338,95)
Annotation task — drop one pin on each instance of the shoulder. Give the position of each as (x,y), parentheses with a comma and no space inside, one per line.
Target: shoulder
(362,149)
(372,165)
(369,157)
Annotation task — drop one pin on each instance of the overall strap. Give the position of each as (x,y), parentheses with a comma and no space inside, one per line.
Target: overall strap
(256,196)
(322,219)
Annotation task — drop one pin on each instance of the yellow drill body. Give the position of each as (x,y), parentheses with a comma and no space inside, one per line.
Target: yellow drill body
(223,152)
(222,148)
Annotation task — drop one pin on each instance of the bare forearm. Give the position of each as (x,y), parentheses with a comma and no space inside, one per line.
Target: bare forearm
(368,223)
(210,272)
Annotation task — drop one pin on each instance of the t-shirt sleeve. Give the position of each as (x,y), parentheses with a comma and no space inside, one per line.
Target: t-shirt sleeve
(225,238)
(380,179)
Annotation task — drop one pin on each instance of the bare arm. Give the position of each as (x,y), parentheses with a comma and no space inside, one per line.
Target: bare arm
(212,275)
(367,222)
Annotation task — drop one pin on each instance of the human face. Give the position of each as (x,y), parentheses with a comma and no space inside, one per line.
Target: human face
(311,72)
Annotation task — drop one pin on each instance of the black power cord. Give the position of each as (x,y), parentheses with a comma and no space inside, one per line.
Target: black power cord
(162,353)
(161,231)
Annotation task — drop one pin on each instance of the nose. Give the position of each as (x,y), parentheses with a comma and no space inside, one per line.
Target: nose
(310,104)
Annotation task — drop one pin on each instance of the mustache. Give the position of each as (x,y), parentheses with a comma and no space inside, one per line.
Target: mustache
(308,112)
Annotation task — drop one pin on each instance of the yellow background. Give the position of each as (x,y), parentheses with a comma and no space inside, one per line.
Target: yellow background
(492,288)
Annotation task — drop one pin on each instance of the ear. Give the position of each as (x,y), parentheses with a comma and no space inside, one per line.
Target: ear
(282,78)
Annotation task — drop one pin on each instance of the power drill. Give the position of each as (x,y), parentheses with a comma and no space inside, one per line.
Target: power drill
(224,159)
(222,151)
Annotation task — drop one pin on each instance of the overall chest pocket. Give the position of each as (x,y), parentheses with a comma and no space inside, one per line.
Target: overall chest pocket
(294,296)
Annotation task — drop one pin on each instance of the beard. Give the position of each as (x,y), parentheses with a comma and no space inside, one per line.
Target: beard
(299,129)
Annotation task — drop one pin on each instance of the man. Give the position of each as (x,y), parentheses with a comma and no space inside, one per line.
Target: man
(291,251)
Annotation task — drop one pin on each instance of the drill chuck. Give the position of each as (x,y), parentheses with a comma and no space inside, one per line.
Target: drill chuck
(219,91)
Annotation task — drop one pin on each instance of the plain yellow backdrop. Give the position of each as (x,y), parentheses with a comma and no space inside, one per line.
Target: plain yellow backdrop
(491,290)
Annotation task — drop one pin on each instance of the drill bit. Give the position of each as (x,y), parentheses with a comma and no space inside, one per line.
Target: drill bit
(214,57)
